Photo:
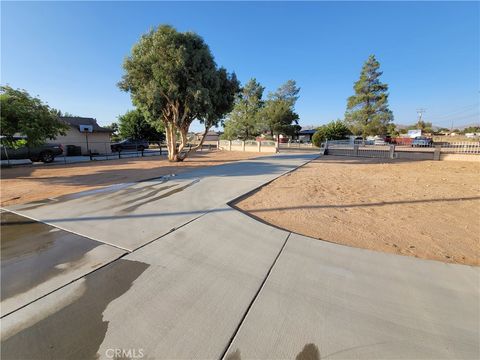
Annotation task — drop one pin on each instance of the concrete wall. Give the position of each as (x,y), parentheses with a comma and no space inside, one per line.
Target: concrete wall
(98,142)
(249,146)
(460,157)
(381,153)
(414,155)
(398,152)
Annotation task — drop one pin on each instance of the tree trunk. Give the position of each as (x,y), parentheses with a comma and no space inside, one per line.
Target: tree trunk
(172,142)
(184,140)
(193,149)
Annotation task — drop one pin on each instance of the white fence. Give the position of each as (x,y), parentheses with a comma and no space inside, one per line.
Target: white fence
(467,151)
(248,145)
(466,147)
(292,145)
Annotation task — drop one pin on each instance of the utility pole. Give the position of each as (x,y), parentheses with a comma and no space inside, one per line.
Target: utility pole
(420,114)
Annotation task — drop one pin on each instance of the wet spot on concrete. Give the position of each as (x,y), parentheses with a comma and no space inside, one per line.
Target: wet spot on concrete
(31,252)
(77,330)
(236,355)
(309,352)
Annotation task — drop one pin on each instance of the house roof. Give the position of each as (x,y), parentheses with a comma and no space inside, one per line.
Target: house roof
(77,121)
(307,132)
(210,133)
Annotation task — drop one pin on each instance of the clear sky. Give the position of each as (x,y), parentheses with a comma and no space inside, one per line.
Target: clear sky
(70,54)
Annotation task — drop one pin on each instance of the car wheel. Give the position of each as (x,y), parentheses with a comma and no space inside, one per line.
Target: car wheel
(47,157)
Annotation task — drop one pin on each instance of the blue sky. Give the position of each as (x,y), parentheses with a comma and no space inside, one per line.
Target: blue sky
(71,53)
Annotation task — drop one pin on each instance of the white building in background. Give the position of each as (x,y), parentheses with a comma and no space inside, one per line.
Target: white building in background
(412,134)
(472,135)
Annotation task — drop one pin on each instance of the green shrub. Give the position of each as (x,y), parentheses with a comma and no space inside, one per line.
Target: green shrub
(334,130)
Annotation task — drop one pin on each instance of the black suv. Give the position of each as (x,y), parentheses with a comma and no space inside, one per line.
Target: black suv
(45,153)
(129,144)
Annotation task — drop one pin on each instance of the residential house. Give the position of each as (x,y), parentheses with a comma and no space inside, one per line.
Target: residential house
(211,138)
(86,134)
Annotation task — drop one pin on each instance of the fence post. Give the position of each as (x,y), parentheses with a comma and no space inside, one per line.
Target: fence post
(229,145)
(355,150)
(277,146)
(6,155)
(243,145)
(392,151)
(259,146)
(436,153)
(218,144)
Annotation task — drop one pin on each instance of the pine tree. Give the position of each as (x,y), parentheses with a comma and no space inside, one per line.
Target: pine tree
(367,111)
(278,115)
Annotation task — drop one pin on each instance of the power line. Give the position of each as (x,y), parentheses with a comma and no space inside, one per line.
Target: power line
(420,112)
(458,111)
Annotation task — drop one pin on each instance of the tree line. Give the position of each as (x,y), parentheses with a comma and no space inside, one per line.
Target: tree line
(173,79)
(253,116)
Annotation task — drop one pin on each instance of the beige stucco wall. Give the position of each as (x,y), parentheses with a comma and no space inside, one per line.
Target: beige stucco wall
(98,142)
(460,157)
(239,146)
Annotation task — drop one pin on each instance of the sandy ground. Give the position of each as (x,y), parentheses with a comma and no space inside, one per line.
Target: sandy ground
(426,209)
(30,183)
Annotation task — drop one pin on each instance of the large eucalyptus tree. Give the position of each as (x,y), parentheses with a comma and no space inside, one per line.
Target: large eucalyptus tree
(173,78)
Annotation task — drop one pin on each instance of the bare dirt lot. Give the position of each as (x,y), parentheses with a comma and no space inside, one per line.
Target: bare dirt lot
(30,183)
(426,209)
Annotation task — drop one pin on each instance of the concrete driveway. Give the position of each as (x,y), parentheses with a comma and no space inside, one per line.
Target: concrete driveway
(166,269)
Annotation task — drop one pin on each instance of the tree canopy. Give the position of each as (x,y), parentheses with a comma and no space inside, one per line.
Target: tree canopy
(367,111)
(334,130)
(278,115)
(472,129)
(29,116)
(133,125)
(173,79)
(421,125)
(244,120)
(114,136)
(252,116)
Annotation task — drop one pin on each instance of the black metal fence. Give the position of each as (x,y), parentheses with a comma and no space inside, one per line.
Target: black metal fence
(77,152)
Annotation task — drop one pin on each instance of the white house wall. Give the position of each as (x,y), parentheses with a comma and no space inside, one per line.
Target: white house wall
(98,142)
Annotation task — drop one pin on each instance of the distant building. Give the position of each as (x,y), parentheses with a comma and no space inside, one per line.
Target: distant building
(306,135)
(414,133)
(211,137)
(86,134)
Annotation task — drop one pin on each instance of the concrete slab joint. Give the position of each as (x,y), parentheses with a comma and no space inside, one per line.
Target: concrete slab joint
(223,285)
